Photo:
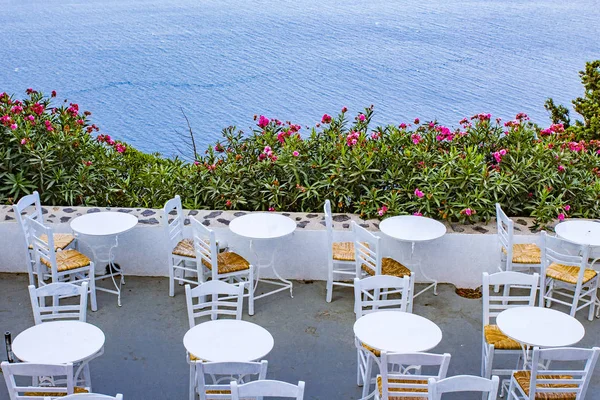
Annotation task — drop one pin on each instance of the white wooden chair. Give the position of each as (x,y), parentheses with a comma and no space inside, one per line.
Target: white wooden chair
(551,383)
(370,295)
(494,342)
(340,257)
(402,377)
(226,266)
(57,291)
(63,265)
(30,206)
(520,255)
(267,388)
(222,373)
(369,261)
(90,396)
(48,380)
(566,278)
(463,383)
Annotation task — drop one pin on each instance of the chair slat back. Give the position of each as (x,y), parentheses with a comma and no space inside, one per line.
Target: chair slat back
(225,299)
(329,226)
(495,304)
(267,388)
(366,249)
(42,239)
(220,375)
(57,291)
(28,206)
(205,245)
(505,227)
(463,383)
(574,380)
(561,251)
(44,374)
(397,380)
(173,220)
(380,293)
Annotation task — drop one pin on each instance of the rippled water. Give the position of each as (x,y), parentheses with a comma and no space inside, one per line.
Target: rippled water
(136,63)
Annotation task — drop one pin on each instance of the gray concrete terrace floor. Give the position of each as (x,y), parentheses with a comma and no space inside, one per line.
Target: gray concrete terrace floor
(144,357)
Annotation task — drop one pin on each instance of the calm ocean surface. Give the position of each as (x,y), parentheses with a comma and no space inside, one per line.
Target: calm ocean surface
(136,63)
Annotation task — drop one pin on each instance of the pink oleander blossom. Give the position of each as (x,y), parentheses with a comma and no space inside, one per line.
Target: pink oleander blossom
(561,217)
(295,153)
(418,214)
(326,119)
(361,117)
(120,148)
(418,193)
(567,208)
(416,138)
(13,126)
(381,211)
(561,168)
(263,121)
(271,208)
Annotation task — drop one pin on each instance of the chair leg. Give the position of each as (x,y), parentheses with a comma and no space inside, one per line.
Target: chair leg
(329,281)
(192,382)
(511,390)
(171,278)
(251,292)
(576,299)
(367,377)
(87,377)
(488,360)
(359,376)
(92,288)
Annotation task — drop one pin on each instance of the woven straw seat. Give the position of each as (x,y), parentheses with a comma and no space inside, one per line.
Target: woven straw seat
(406,381)
(493,335)
(67,260)
(185,248)
(61,240)
(389,266)
(526,253)
(375,352)
(76,389)
(229,262)
(523,379)
(568,273)
(343,251)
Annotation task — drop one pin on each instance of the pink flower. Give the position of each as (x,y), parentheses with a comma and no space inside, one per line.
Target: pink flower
(30,117)
(120,148)
(417,214)
(295,153)
(416,139)
(361,117)
(502,152)
(561,217)
(402,126)
(30,91)
(375,135)
(344,109)
(17,109)
(561,168)
(418,193)
(219,148)
(196,162)
(271,208)
(352,138)
(381,211)
(467,211)
(13,126)
(567,208)
(263,121)
(431,125)
(79,122)
(23,141)
(267,149)
(262,156)
(87,163)
(49,126)
(37,108)
(326,119)
(416,121)
(228,203)
(53,94)
(598,151)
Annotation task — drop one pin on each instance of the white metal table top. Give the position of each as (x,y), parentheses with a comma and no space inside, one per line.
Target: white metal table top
(397,331)
(104,223)
(225,340)
(58,342)
(262,226)
(537,326)
(580,231)
(411,228)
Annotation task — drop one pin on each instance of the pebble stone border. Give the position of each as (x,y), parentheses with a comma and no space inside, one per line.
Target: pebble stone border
(220,219)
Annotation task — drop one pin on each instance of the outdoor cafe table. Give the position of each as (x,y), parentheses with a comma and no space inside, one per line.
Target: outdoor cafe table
(541,327)
(105,225)
(60,342)
(227,340)
(265,227)
(413,229)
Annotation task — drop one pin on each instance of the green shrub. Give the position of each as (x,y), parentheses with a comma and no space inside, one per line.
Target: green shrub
(421,168)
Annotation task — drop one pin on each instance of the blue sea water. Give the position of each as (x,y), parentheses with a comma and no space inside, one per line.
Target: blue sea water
(137,63)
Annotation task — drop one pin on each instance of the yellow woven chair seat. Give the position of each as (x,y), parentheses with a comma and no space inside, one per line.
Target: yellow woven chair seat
(406,381)
(343,251)
(523,379)
(568,273)
(493,335)
(228,262)
(389,266)
(375,352)
(185,248)
(61,240)
(67,260)
(526,253)
(76,389)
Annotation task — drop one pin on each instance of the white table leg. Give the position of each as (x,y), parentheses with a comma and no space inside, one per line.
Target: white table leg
(427,278)
(280,281)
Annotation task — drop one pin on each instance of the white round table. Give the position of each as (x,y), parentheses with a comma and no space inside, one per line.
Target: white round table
(397,331)
(226,340)
(413,229)
(263,227)
(107,224)
(538,326)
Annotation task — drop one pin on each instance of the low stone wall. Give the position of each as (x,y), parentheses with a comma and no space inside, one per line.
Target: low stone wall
(459,257)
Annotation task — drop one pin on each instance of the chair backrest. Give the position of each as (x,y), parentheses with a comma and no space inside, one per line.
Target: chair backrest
(205,245)
(372,294)
(572,381)
(463,383)
(267,388)
(561,251)
(31,200)
(225,299)
(47,372)
(42,239)
(90,396)
(56,311)
(505,227)
(366,249)
(495,304)
(329,226)
(400,382)
(173,211)
(222,373)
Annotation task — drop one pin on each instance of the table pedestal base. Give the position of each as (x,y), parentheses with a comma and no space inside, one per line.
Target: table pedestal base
(433,283)
(283,283)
